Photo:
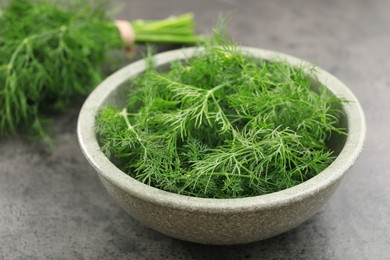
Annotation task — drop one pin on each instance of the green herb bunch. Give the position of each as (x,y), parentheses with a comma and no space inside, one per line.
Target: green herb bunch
(49,54)
(52,52)
(222,125)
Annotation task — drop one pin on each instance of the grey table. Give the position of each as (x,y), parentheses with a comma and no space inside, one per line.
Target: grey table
(53,206)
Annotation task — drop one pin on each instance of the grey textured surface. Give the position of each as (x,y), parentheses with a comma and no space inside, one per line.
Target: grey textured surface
(52,205)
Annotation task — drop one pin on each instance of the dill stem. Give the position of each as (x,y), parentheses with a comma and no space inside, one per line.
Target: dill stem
(226,174)
(123,113)
(214,89)
(178,29)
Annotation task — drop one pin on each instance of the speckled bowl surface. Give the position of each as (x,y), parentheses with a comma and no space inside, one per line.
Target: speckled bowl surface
(219,221)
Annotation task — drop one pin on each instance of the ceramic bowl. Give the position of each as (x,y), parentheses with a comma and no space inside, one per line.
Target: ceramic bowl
(219,221)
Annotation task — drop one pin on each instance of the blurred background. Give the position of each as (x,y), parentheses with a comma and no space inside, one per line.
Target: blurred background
(52,204)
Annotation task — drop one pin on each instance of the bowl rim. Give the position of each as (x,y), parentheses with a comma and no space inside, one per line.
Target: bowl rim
(107,170)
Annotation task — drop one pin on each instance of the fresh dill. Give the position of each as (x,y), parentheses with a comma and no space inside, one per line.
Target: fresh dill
(52,52)
(222,125)
(49,54)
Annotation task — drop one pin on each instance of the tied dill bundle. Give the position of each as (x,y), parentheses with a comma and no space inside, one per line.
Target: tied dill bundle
(222,125)
(52,52)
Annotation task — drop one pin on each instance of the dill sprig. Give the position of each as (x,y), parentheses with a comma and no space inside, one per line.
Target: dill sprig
(222,125)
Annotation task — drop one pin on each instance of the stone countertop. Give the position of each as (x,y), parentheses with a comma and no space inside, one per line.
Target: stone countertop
(52,204)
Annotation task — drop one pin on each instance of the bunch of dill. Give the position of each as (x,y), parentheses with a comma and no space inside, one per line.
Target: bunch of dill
(49,54)
(222,125)
(52,52)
